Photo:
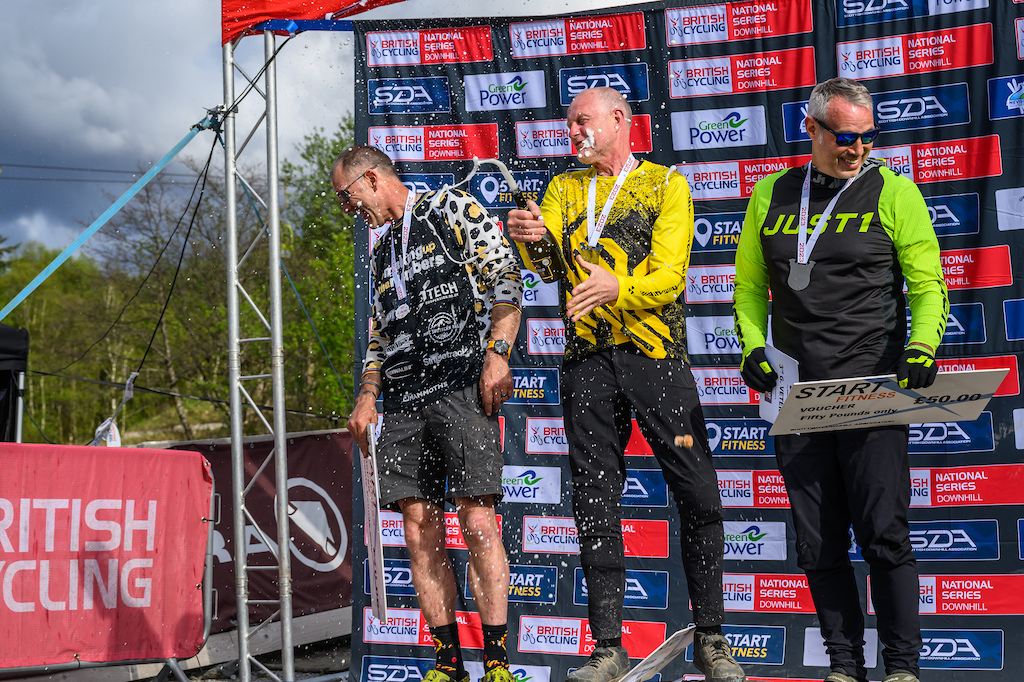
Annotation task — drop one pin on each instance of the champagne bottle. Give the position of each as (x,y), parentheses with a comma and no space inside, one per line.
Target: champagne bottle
(545,254)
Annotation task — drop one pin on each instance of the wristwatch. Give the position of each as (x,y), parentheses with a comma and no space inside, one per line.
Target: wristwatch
(501,347)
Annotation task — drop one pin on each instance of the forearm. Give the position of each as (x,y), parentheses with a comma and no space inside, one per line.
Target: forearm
(504,323)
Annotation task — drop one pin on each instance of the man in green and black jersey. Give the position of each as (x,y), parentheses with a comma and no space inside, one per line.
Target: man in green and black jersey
(834,241)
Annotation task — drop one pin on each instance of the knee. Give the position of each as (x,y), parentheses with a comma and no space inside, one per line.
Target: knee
(889,549)
(424,526)
(479,527)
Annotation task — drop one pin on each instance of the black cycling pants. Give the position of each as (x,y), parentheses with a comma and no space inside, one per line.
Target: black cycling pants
(860,477)
(599,392)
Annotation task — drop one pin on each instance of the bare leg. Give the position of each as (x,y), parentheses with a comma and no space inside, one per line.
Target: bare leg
(431,572)
(488,564)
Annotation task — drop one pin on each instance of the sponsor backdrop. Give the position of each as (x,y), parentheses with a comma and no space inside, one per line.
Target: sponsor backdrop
(719,90)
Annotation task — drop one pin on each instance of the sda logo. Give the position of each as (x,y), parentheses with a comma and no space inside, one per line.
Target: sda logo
(644,589)
(962,649)
(394,669)
(976,540)
(853,12)
(644,488)
(955,540)
(954,214)
(964,324)
(428,95)
(931,107)
(953,437)
(421,183)
(719,128)
(629,79)
(397,577)
(1013,316)
(1005,97)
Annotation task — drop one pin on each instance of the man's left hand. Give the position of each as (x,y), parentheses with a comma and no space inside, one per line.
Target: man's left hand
(600,288)
(916,369)
(495,383)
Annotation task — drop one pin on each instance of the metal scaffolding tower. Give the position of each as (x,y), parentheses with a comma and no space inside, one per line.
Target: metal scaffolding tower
(242,483)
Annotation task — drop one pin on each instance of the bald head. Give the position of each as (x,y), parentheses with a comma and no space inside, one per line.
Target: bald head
(599,121)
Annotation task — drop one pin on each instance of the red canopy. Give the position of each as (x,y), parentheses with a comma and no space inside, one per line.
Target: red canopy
(239,16)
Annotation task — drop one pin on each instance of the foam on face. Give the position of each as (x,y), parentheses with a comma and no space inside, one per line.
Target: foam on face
(586,144)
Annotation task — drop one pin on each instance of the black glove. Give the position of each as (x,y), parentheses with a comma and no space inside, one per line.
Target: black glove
(916,369)
(757,372)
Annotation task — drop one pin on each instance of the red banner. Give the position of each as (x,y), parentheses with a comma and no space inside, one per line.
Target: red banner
(320,491)
(239,16)
(103,553)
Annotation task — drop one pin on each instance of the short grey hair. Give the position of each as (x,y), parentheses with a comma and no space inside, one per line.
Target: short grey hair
(363,158)
(843,88)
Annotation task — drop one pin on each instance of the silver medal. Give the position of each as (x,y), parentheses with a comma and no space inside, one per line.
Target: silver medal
(799,274)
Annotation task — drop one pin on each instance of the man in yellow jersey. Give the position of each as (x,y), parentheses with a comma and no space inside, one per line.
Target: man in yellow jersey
(833,241)
(624,228)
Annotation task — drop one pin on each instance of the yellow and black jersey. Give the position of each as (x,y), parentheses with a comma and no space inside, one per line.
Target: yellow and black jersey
(645,244)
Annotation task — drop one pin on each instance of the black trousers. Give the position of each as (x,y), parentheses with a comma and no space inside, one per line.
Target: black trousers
(598,393)
(860,477)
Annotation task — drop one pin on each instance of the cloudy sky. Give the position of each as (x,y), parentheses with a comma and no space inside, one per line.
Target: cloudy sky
(112,85)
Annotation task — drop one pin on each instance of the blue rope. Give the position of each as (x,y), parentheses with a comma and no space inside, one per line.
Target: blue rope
(309,319)
(208,122)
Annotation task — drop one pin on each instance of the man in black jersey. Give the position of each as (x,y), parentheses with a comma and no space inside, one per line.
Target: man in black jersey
(446,295)
(833,241)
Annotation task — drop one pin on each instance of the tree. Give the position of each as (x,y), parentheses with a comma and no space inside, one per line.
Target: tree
(322,266)
(150,292)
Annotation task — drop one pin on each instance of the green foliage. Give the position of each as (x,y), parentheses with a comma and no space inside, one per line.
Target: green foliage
(321,264)
(99,314)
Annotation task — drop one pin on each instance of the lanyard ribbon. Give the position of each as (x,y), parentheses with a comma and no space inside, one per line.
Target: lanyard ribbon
(594,231)
(398,272)
(804,246)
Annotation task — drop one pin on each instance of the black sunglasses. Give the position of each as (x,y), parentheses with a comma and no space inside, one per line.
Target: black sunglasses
(847,139)
(344,194)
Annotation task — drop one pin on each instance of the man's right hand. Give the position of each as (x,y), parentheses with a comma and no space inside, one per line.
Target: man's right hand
(757,372)
(526,225)
(365,412)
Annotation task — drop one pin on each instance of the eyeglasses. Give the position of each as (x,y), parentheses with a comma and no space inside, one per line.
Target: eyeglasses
(847,139)
(344,194)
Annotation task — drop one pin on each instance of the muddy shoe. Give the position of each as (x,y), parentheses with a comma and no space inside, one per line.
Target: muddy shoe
(606,664)
(713,656)
(835,676)
(901,676)
(498,674)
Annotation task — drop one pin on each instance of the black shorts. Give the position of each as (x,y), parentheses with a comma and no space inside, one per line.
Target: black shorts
(440,452)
